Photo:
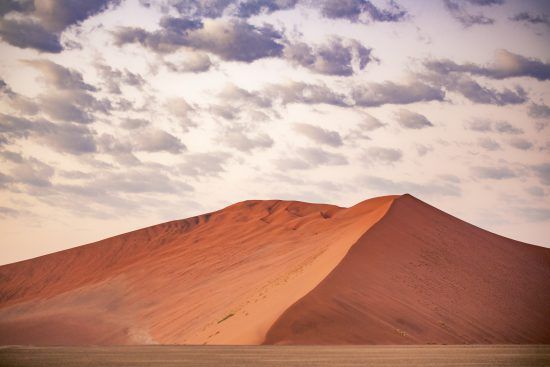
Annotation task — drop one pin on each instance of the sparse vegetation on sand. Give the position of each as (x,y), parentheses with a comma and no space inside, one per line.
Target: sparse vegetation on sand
(226,317)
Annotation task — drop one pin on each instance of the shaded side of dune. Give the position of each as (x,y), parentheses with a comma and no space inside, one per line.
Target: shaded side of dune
(421,276)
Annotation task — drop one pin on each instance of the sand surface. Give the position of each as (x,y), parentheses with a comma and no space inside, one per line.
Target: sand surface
(279,356)
(390,270)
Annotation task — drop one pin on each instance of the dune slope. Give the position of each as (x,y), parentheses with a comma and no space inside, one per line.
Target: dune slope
(421,276)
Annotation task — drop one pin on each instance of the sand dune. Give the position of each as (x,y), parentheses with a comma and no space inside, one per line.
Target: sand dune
(387,270)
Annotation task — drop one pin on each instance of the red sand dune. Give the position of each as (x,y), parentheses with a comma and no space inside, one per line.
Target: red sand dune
(390,270)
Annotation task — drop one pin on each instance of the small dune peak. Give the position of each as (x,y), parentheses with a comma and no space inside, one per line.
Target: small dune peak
(408,196)
(367,206)
(325,214)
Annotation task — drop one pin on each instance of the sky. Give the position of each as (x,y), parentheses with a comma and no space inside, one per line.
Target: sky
(120,114)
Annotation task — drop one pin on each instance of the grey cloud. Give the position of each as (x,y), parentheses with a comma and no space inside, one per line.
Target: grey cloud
(194,62)
(236,137)
(179,107)
(5,88)
(8,212)
(180,25)
(541,111)
(505,65)
(362,11)
(488,144)
(60,14)
(48,19)
(368,123)
(18,102)
(87,201)
(58,107)
(33,173)
(19,6)
(73,175)
(25,105)
(308,158)
(201,8)
(521,143)
(422,150)
(389,187)
(227,112)
(299,92)
(120,149)
(502,127)
(352,10)
(70,138)
(59,76)
(140,181)
(336,57)
(535,191)
(535,214)
(123,190)
(70,99)
(486,2)
(495,173)
(507,128)
(132,124)
(115,78)
(384,155)
(234,101)
(257,116)
(241,96)
(238,41)
(250,8)
(203,164)
(64,137)
(526,17)
(374,95)
(181,110)
(126,35)
(28,34)
(450,178)
(458,10)
(291,164)
(155,140)
(542,171)
(11,156)
(319,135)
(412,120)
(5,180)
(233,40)
(110,144)
(479,94)
(73,106)
(475,92)
(15,127)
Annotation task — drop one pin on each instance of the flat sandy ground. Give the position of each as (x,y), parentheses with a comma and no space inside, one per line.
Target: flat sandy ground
(441,356)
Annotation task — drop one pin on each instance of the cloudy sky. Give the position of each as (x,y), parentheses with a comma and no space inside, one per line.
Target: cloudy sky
(118,114)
